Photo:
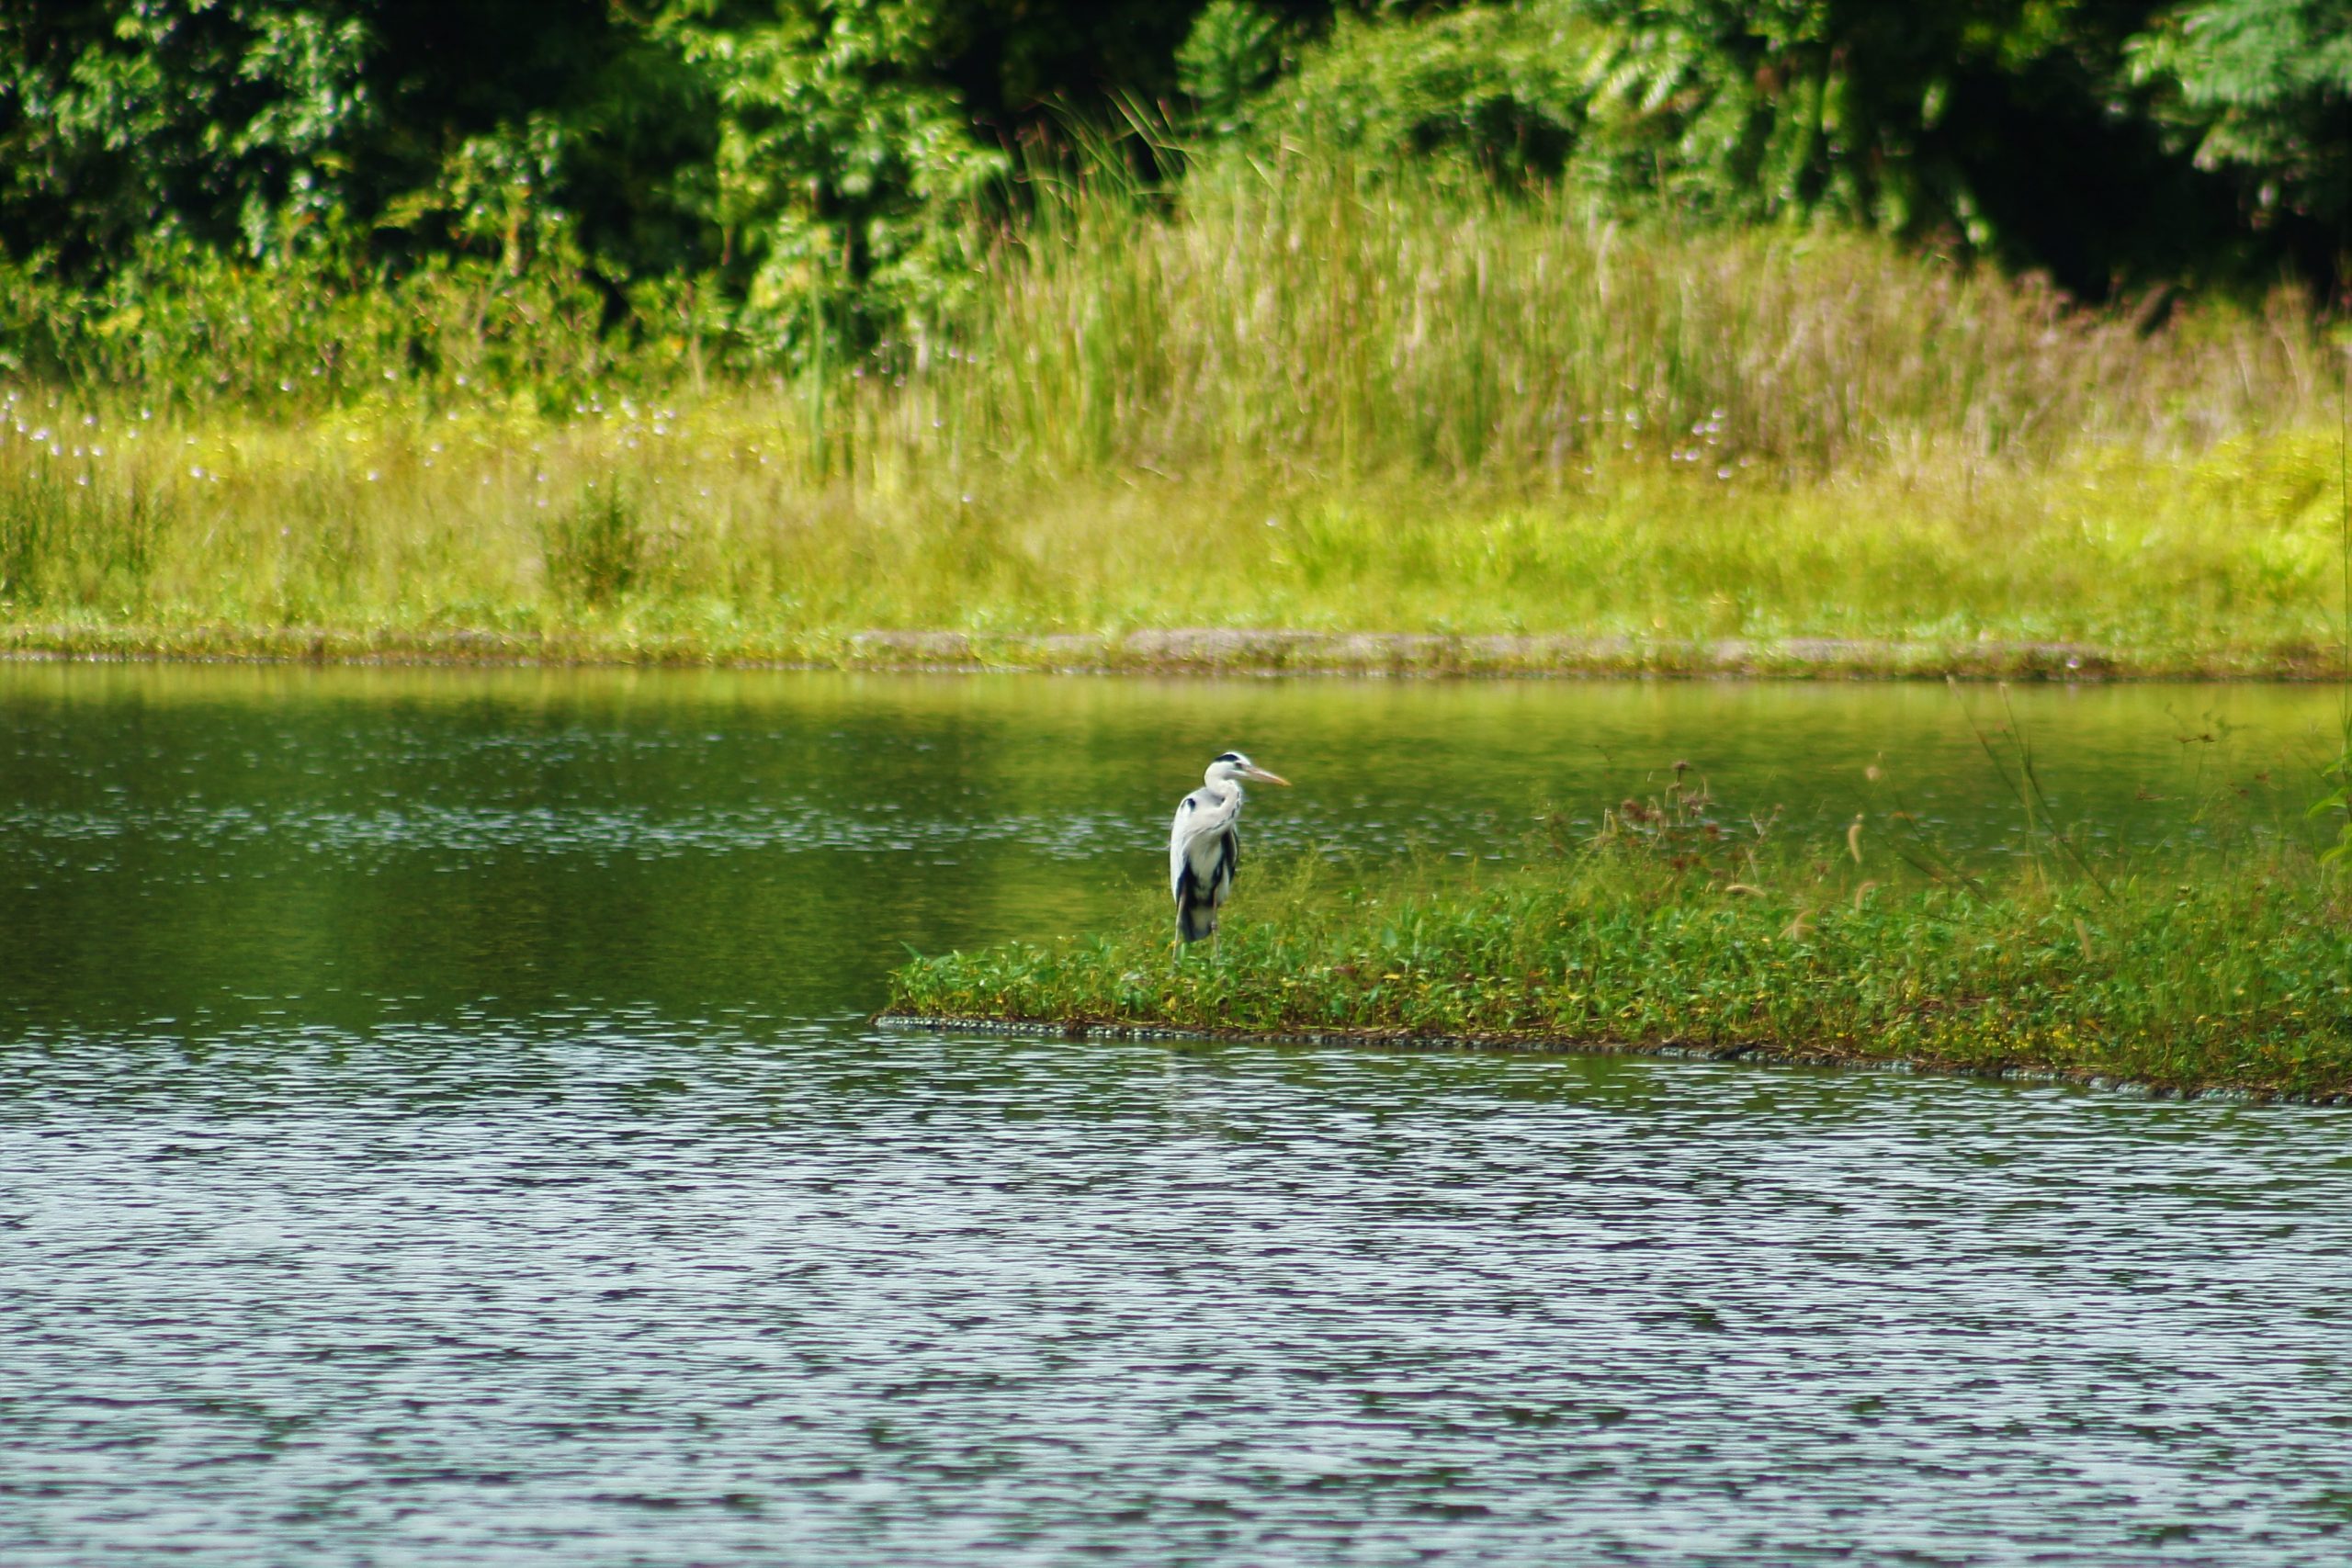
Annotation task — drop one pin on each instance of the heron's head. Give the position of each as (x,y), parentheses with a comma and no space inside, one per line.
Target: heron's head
(1235,768)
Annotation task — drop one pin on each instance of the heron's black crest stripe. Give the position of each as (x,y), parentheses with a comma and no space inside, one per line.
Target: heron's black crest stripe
(1230,757)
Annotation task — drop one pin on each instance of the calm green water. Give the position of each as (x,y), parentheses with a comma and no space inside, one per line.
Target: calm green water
(439,1125)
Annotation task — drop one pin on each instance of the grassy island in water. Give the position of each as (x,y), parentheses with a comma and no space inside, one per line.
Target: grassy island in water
(2180,984)
(1673,929)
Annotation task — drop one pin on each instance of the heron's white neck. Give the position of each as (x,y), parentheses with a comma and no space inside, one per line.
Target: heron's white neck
(1220,782)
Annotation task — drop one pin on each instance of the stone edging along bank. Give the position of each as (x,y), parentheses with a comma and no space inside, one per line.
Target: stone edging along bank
(1211,650)
(1186,652)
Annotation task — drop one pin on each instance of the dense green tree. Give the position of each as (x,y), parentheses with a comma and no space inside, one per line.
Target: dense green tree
(224,123)
(2007,128)
(2011,127)
(2263,89)
(401,125)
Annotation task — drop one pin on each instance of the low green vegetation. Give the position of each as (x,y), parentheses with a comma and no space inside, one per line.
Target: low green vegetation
(1675,930)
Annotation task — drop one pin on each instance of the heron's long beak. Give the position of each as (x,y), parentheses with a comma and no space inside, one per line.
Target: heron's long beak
(1264,777)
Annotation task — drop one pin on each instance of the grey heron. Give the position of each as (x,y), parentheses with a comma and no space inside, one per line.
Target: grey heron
(1203,848)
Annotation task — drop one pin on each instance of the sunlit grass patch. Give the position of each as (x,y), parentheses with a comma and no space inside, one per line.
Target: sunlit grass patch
(713,539)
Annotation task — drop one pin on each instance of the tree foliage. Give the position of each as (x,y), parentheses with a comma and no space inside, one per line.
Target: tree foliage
(2263,88)
(2052,136)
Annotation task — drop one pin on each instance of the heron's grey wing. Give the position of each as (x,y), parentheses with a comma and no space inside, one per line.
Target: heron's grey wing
(1202,818)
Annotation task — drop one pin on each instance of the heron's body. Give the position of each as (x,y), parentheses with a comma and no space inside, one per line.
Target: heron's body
(1205,844)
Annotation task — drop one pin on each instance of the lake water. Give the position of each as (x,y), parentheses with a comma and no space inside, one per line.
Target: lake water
(439,1125)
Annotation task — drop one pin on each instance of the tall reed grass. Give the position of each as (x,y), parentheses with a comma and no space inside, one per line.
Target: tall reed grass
(1325,315)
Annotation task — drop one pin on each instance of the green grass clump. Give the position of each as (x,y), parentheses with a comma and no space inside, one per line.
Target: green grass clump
(2236,977)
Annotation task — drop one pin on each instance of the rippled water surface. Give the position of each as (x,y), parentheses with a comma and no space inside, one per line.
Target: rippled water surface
(437,1126)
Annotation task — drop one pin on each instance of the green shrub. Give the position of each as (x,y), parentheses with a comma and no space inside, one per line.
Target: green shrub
(595,551)
(1234,52)
(1498,88)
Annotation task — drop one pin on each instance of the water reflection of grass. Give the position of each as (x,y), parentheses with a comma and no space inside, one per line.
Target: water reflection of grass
(2234,971)
(1300,402)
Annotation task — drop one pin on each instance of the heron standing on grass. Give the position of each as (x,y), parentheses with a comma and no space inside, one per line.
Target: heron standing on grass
(1205,850)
